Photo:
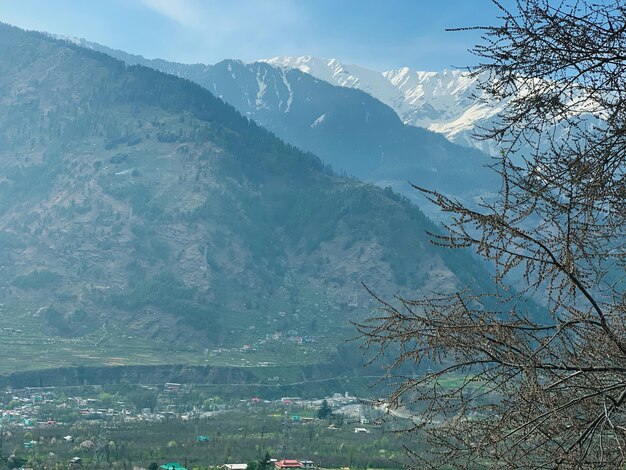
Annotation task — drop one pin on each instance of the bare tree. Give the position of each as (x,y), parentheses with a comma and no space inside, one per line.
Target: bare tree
(506,386)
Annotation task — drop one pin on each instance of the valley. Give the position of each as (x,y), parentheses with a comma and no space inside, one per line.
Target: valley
(293,234)
(146,222)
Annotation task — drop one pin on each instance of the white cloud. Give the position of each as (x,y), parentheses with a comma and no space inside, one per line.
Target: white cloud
(245,29)
(243,16)
(185,12)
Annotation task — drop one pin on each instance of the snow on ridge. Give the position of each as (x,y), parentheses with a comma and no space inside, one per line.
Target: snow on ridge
(262,87)
(289,90)
(71,39)
(346,75)
(440,101)
(318,121)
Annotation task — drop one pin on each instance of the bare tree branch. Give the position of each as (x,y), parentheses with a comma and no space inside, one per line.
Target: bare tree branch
(490,379)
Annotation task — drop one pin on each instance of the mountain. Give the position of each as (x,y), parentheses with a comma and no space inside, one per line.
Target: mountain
(442,102)
(145,221)
(349,129)
(449,102)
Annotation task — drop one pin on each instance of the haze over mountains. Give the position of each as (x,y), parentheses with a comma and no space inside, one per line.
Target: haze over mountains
(353,131)
(442,102)
(136,204)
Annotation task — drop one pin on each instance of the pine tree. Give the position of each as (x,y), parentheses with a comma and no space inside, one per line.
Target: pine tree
(324,410)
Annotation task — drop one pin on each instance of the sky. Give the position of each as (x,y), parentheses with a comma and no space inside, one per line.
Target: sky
(379,34)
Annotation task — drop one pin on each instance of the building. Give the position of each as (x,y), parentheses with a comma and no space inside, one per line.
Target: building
(288,464)
(172,387)
(172,466)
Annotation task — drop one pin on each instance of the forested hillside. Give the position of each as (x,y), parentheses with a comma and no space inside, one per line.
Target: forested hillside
(144,220)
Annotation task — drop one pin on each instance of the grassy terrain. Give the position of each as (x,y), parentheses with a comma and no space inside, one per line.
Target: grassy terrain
(25,345)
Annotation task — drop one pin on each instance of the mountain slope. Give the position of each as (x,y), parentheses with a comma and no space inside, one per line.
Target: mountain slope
(143,220)
(442,101)
(349,129)
(449,102)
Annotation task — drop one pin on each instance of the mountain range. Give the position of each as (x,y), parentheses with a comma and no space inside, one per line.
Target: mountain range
(443,101)
(143,220)
(349,128)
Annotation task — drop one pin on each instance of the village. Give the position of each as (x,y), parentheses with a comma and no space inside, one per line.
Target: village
(176,426)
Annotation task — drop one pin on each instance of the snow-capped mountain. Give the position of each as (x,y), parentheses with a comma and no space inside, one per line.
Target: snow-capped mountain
(439,101)
(442,102)
(350,129)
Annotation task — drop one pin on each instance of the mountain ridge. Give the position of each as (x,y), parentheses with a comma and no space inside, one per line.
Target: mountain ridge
(348,128)
(146,221)
(441,101)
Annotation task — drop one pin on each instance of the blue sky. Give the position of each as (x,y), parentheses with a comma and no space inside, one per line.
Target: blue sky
(380,34)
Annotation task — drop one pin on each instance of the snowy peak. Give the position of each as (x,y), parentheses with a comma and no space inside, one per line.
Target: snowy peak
(337,73)
(329,70)
(416,85)
(440,101)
